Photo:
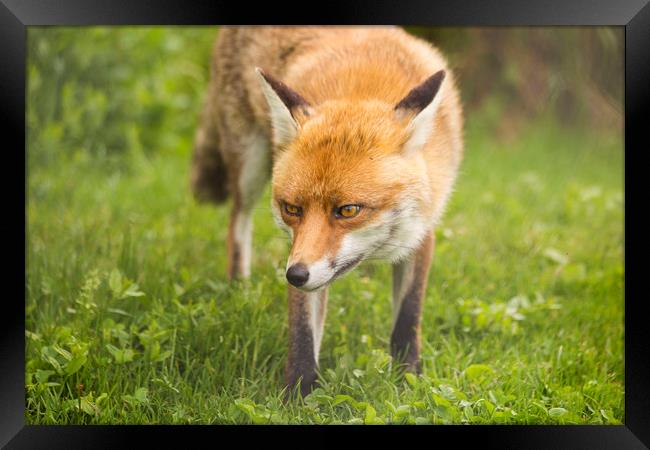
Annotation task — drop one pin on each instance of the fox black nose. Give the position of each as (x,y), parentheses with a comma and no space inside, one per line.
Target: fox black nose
(298,274)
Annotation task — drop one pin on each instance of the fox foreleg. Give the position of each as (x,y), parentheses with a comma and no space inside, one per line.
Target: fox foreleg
(306,321)
(409,286)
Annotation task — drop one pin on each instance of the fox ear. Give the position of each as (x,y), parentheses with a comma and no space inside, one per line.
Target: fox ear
(284,106)
(423,102)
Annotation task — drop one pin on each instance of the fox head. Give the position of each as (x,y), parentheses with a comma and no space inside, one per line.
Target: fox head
(349,179)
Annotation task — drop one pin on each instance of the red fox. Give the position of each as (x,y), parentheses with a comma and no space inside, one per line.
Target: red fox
(360,131)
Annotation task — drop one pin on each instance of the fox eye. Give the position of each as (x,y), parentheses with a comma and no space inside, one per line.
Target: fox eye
(348,211)
(292,210)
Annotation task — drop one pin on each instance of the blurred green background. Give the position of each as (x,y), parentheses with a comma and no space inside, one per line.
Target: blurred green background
(130,318)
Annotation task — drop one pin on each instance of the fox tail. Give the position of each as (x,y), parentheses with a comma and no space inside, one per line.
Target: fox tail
(208,177)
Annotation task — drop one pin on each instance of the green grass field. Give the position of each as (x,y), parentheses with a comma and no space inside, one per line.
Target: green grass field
(523,317)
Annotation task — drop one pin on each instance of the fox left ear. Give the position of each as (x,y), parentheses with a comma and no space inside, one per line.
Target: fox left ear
(422,101)
(285,105)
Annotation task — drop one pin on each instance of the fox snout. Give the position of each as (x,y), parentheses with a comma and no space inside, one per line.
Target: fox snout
(311,277)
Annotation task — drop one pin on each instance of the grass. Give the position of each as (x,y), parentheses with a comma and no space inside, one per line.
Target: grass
(129,317)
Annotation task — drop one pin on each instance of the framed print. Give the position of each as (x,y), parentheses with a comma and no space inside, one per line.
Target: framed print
(411,216)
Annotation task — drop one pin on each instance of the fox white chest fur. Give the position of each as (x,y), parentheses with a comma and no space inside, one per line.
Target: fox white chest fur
(360,132)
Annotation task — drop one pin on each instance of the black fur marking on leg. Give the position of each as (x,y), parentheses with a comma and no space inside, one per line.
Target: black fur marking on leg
(235,262)
(404,339)
(301,365)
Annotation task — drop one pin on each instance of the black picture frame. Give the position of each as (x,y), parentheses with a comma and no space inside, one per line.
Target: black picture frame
(17,15)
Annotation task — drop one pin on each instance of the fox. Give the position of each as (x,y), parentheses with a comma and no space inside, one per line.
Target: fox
(360,130)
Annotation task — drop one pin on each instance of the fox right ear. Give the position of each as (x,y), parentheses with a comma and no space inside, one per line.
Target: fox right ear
(421,105)
(284,106)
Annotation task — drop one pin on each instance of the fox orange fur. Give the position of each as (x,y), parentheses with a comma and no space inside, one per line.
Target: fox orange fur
(360,129)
